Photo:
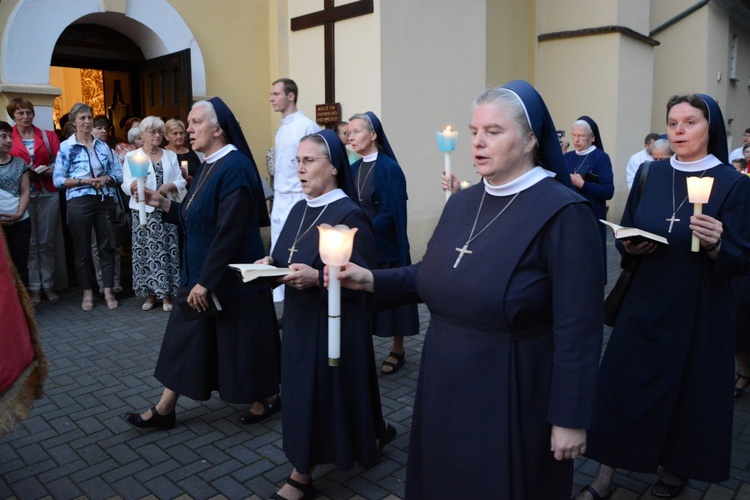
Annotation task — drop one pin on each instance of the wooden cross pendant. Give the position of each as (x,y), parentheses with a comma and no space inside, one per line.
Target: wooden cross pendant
(671,221)
(461,252)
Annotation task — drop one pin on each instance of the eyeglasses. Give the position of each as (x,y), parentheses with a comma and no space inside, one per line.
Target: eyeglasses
(306,161)
(580,136)
(154,132)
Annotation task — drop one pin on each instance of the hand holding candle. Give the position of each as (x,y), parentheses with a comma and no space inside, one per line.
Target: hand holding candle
(699,190)
(447,143)
(335,249)
(139,169)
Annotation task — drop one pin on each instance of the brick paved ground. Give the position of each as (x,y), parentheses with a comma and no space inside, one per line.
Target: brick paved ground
(76,445)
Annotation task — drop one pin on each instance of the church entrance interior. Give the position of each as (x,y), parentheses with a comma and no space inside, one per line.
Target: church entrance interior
(105,69)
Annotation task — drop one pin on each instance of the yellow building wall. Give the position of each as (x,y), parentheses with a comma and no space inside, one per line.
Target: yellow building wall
(511,41)
(234,38)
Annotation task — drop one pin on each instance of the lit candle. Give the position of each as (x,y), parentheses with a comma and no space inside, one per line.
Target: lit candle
(447,143)
(465,185)
(139,169)
(335,249)
(699,190)
(184,168)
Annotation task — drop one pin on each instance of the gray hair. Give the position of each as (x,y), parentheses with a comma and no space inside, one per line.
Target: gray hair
(585,125)
(364,118)
(213,119)
(663,146)
(509,101)
(151,123)
(320,141)
(78,108)
(133,133)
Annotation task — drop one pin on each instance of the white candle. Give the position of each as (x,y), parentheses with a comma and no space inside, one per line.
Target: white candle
(141,202)
(184,168)
(699,191)
(335,248)
(447,143)
(334,316)
(139,169)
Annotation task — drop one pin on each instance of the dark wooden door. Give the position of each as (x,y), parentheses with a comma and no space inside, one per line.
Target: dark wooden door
(166,86)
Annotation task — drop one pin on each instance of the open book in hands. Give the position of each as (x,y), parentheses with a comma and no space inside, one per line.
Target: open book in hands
(260,273)
(633,234)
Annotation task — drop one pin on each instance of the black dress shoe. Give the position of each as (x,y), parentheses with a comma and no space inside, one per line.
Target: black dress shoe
(156,421)
(269,408)
(388,436)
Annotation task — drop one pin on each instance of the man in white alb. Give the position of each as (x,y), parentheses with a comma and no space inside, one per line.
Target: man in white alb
(641,156)
(287,189)
(737,153)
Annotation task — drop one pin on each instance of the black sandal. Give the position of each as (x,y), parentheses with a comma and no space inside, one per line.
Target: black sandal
(739,390)
(307,489)
(595,494)
(400,360)
(270,408)
(662,489)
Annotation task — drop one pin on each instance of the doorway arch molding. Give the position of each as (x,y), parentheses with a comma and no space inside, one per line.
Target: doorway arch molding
(32,30)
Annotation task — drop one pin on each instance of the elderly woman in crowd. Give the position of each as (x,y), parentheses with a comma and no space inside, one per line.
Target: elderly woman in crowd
(100,130)
(88,171)
(235,351)
(38,148)
(14,201)
(661,150)
(156,256)
(174,133)
(590,170)
(381,191)
(323,403)
(506,385)
(131,142)
(664,388)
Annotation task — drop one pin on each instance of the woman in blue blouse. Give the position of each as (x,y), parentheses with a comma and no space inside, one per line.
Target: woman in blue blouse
(87,170)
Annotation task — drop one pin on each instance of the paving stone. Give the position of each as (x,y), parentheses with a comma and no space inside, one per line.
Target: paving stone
(75,443)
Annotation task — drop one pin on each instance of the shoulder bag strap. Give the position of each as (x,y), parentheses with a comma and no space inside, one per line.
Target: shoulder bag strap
(49,148)
(642,182)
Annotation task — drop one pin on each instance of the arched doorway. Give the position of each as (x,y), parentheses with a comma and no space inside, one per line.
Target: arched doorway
(153,28)
(34,27)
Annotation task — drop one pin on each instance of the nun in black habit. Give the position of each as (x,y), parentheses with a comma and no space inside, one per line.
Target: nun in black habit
(381,191)
(664,393)
(505,389)
(235,352)
(331,414)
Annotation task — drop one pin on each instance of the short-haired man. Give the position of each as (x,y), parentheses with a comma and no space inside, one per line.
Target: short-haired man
(287,190)
(641,156)
(737,153)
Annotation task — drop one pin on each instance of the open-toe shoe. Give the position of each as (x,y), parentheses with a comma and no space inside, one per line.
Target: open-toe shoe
(307,489)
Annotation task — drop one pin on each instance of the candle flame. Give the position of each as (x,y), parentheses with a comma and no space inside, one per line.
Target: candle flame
(447,128)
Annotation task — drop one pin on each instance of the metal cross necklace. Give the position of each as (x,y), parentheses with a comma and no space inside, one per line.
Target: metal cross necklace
(298,237)
(465,249)
(673,219)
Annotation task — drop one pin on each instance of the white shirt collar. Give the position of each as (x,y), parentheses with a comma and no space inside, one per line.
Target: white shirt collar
(586,151)
(704,163)
(325,199)
(533,176)
(370,157)
(290,117)
(220,153)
